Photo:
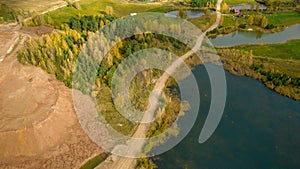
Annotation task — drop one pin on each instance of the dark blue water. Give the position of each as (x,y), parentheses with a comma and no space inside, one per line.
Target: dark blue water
(260,129)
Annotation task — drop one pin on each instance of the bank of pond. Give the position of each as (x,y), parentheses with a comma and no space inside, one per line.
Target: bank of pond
(259,129)
(252,37)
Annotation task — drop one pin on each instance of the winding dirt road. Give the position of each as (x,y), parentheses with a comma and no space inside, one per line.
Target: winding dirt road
(135,146)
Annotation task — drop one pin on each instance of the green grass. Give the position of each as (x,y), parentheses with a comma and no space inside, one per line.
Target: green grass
(235,2)
(94,7)
(92,163)
(277,18)
(230,20)
(202,22)
(284,18)
(288,50)
(6,13)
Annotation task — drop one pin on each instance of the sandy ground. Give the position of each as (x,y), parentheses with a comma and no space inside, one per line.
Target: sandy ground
(31,5)
(38,124)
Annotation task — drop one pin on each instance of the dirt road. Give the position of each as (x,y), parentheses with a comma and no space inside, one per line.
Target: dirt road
(136,146)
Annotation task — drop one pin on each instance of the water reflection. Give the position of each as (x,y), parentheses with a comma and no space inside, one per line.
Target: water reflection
(259,129)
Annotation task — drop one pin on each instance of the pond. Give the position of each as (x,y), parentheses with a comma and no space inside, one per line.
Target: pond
(191,14)
(244,37)
(259,129)
(246,6)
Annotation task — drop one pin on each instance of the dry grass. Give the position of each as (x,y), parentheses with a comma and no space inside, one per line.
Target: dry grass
(31,5)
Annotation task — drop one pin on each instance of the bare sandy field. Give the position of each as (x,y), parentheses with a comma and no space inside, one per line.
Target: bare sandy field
(38,124)
(31,5)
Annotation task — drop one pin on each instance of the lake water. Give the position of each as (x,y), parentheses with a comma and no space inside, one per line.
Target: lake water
(191,14)
(247,6)
(259,129)
(243,37)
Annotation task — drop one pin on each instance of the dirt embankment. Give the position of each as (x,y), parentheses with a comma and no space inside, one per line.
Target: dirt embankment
(38,124)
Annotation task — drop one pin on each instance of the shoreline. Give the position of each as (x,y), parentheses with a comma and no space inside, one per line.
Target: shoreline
(292,92)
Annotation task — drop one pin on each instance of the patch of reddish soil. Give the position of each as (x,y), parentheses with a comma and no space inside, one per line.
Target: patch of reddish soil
(37,30)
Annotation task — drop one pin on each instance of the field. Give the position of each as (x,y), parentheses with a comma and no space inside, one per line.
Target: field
(280,57)
(289,50)
(94,7)
(202,22)
(31,5)
(92,163)
(277,18)
(234,2)
(284,18)
(31,102)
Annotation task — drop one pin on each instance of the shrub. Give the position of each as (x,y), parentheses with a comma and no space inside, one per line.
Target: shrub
(270,26)
(242,26)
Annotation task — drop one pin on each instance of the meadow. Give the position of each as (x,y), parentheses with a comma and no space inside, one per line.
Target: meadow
(31,5)
(95,7)
(288,50)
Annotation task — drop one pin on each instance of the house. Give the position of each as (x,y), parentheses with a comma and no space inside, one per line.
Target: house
(133,14)
(240,15)
(237,11)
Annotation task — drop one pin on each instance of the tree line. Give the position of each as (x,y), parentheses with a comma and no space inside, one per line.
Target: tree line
(89,22)
(58,52)
(278,79)
(7,14)
(258,20)
(203,3)
(55,53)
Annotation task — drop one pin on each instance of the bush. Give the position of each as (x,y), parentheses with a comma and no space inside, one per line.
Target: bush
(270,26)
(242,26)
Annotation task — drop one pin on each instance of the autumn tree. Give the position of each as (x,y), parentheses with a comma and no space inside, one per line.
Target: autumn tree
(264,22)
(257,7)
(224,6)
(109,10)
(250,20)
(76,5)
(182,13)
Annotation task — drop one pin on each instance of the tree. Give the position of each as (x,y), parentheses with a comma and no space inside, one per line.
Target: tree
(206,12)
(257,7)
(101,24)
(252,7)
(236,23)
(268,2)
(224,6)
(250,20)
(196,3)
(109,10)
(76,5)
(182,13)
(221,20)
(170,56)
(264,22)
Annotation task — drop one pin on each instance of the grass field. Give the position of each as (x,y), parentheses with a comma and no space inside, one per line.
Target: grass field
(234,2)
(92,163)
(94,7)
(277,18)
(31,5)
(284,18)
(290,67)
(288,50)
(202,22)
